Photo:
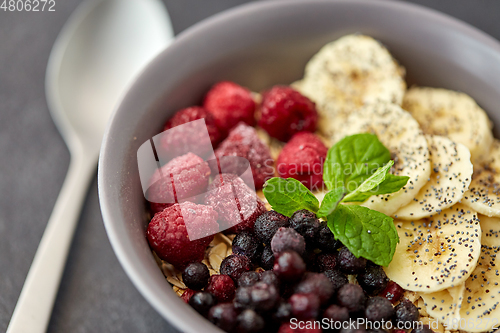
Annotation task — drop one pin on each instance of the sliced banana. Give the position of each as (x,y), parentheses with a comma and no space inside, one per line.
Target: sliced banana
(490,227)
(347,73)
(445,305)
(451,114)
(451,174)
(401,134)
(438,252)
(484,190)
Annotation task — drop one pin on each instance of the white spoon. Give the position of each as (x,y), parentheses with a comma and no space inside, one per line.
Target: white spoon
(101,48)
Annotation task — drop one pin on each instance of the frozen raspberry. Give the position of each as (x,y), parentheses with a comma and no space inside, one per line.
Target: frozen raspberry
(307,327)
(223,316)
(393,292)
(187,294)
(336,313)
(183,177)
(286,112)
(196,275)
(250,322)
(267,258)
(230,103)
(305,306)
(378,309)
(337,278)
(168,236)
(238,206)
(234,265)
(268,223)
(406,312)
(288,239)
(190,137)
(352,297)
(325,262)
(318,284)
(348,263)
(302,158)
(289,266)
(373,280)
(243,149)
(202,302)
(248,279)
(222,287)
(305,223)
(247,244)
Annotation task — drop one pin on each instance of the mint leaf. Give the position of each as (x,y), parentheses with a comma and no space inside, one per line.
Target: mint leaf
(352,160)
(365,232)
(287,196)
(331,201)
(381,182)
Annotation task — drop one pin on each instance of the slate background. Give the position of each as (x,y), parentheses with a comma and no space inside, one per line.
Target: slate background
(95,294)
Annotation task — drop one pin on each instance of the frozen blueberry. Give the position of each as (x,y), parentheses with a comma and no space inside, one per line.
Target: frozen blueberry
(283,311)
(248,279)
(223,316)
(325,239)
(316,283)
(289,266)
(337,278)
(348,263)
(267,258)
(406,312)
(378,309)
(249,321)
(288,239)
(373,280)
(325,262)
(304,306)
(234,265)
(352,297)
(268,223)
(305,223)
(195,276)
(202,302)
(270,277)
(336,313)
(422,329)
(247,244)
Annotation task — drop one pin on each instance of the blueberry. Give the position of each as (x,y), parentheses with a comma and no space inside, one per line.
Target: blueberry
(337,278)
(195,276)
(223,316)
(243,297)
(318,284)
(422,329)
(267,258)
(325,262)
(336,313)
(249,322)
(373,280)
(234,265)
(202,302)
(352,297)
(287,239)
(304,306)
(270,277)
(283,312)
(268,223)
(248,279)
(247,244)
(325,239)
(406,312)
(305,223)
(264,297)
(289,266)
(348,263)
(378,309)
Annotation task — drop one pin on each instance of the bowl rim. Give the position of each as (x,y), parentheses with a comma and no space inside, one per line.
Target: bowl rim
(114,226)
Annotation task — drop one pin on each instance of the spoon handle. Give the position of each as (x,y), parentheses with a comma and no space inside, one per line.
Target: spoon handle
(34,307)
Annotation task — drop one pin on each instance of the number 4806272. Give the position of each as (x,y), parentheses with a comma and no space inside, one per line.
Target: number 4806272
(28,5)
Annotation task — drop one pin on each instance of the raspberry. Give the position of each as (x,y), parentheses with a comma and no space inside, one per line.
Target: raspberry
(289,266)
(248,279)
(187,294)
(222,287)
(326,241)
(267,258)
(195,276)
(223,316)
(325,262)
(190,137)
(183,177)
(337,278)
(373,280)
(302,158)
(202,302)
(238,206)
(249,322)
(287,239)
(307,327)
(393,292)
(378,309)
(286,112)
(336,313)
(230,103)
(348,263)
(242,147)
(247,244)
(305,223)
(406,312)
(167,233)
(352,297)
(305,306)
(268,223)
(234,265)
(317,284)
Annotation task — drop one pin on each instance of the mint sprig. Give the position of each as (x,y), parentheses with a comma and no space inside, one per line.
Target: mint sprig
(356,168)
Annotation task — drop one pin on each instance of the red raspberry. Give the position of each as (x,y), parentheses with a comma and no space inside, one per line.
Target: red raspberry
(189,137)
(222,287)
(244,142)
(230,104)
(393,292)
(168,236)
(181,178)
(286,112)
(302,158)
(305,327)
(187,294)
(238,206)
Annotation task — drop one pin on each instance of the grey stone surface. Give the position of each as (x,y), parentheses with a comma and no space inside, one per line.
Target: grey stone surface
(95,294)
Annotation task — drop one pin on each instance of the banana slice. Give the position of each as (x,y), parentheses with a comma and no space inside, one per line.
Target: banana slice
(401,134)
(445,305)
(484,190)
(436,253)
(347,73)
(451,114)
(451,174)
(490,227)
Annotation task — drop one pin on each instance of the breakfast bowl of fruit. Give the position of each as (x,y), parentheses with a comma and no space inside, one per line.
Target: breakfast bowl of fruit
(312,166)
